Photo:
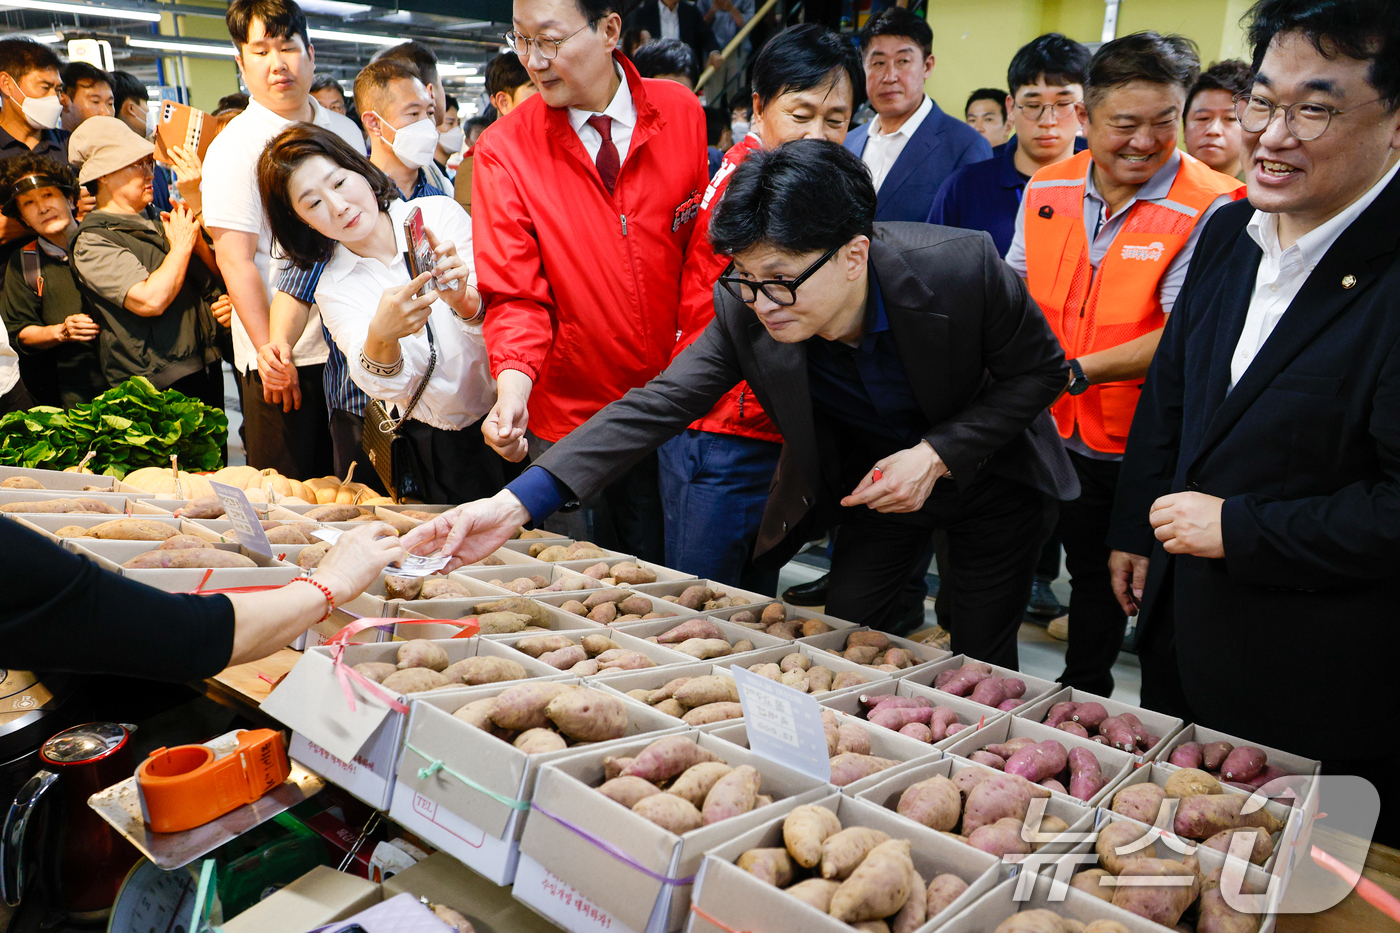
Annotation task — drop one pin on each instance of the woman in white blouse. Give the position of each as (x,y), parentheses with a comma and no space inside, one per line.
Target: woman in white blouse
(326,203)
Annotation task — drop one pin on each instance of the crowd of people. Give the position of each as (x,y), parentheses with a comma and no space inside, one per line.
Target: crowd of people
(820,308)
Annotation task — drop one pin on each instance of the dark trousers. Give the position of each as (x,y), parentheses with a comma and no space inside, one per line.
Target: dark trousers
(458,465)
(1049,564)
(626,516)
(994,530)
(714,488)
(347,431)
(295,443)
(17,399)
(1096,623)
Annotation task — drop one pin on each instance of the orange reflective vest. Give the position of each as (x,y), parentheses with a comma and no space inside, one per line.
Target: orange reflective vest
(1093,310)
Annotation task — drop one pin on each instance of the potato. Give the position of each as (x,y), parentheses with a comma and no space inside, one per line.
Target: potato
(1116,846)
(669,812)
(815,892)
(934,802)
(414,680)
(564,658)
(501,623)
(632,573)
(1090,881)
(628,790)
(993,798)
(770,865)
(818,678)
(704,648)
(805,831)
(1190,782)
(523,707)
(713,712)
(694,628)
(732,794)
(375,670)
(474,672)
(477,713)
(710,688)
(942,891)
(587,715)
(539,741)
(843,851)
(132,529)
(188,557)
(1142,802)
(536,645)
(878,887)
(1163,903)
(422,653)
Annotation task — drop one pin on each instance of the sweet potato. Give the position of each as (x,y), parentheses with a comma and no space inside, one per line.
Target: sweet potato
(1260,847)
(375,670)
(1090,881)
(188,557)
(564,658)
(667,757)
(938,723)
(848,767)
(1189,755)
(709,688)
(732,794)
(309,559)
(1052,784)
(21,482)
(746,644)
(613,767)
(848,679)
(474,672)
(539,741)
(623,660)
(1216,916)
(695,597)
(895,718)
(502,623)
(917,731)
(1085,774)
(698,780)
(1142,802)
(1119,843)
(819,679)
(1214,754)
(1010,747)
(1190,782)
(536,645)
(852,737)
(912,915)
(1002,838)
(989,692)
(815,892)
(963,680)
(132,529)
(202,507)
(704,648)
(628,790)
(422,653)
(878,887)
(934,802)
(587,715)
(1108,926)
(523,706)
(1038,761)
(1119,733)
(713,712)
(1162,903)
(671,707)
(812,627)
(843,851)
(289,534)
(1073,728)
(1061,712)
(396,587)
(805,831)
(414,680)
(1243,763)
(874,639)
(632,573)
(669,812)
(770,865)
(477,713)
(533,611)
(60,506)
(942,891)
(1090,714)
(993,798)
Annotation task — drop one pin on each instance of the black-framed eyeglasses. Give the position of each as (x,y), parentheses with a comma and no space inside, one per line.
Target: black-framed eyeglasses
(1306,120)
(548,46)
(779,291)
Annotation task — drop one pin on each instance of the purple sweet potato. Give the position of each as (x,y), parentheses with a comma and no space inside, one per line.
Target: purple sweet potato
(897,718)
(1090,714)
(1213,755)
(1073,728)
(986,758)
(917,730)
(1085,774)
(1039,761)
(1118,733)
(1009,704)
(1010,747)
(1061,712)
(942,718)
(1243,763)
(1187,756)
(989,692)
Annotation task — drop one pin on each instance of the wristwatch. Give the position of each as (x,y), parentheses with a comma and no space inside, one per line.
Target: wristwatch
(1079,383)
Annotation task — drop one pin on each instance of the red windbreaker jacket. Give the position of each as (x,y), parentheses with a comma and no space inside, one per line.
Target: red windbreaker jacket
(583,288)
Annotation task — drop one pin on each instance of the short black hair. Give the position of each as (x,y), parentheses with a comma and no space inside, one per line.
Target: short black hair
(126,86)
(234,103)
(1054,57)
(1232,76)
(22,166)
(897,21)
(770,200)
(414,54)
(804,57)
(76,74)
(284,154)
(372,83)
(995,95)
(281,19)
(324,82)
(505,73)
(450,102)
(19,56)
(1366,30)
(1142,56)
(716,122)
(666,57)
(474,122)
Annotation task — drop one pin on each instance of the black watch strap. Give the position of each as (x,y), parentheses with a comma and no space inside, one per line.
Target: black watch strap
(1080,382)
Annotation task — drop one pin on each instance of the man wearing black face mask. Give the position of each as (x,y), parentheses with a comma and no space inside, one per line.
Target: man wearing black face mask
(29,116)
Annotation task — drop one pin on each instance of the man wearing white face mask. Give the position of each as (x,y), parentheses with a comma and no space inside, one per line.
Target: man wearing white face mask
(451,137)
(397,113)
(29,117)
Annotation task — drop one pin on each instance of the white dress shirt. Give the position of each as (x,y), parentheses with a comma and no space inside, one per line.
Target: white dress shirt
(883,149)
(1282,272)
(461,389)
(670,20)
(9,363)
(231,201)
(624,120)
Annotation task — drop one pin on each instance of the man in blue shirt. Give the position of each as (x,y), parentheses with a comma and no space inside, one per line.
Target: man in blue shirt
(1047,79)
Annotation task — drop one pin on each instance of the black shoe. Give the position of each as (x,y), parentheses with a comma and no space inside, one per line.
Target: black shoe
(807,594)
(1043,601)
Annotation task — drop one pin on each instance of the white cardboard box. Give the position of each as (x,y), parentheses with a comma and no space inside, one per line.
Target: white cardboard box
(663,657)
(732,633)
(818,658)
(1116,764)
(789,613)
(47,524)
(671,590)
(559,621)
(1162,726)
(669,610)
(1036,688)
(973,715)
(834,643)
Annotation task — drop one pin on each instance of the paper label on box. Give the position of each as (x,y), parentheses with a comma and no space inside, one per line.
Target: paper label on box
(784,724)
(560,902)
(247,527)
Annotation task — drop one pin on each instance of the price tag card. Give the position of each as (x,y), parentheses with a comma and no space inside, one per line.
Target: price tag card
(784,724)
(247,527)
(415,566)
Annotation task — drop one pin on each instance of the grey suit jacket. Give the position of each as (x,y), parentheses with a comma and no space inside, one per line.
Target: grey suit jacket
(980,357)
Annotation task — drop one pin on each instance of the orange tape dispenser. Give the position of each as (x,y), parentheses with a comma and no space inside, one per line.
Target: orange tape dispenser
(185,786)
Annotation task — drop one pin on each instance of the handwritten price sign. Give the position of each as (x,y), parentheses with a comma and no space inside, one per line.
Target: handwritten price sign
(785,725)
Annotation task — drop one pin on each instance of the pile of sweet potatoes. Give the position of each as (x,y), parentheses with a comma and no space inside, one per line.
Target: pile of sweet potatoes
(981,808)
(535,584)
(697,700)
(78,505)
(1044,920)
(186,551)
(627,572)
(978,682)
(613,607)
(1092,721)
(796,670)
(579,550)
(1073,771)
(680,786)
(423,665)
(584,657)
(772,620)
(702,598)
(1243,767)
(702,639)
(916,717)
(874,649)
(1204,812)
(547,717)
(848,746)
(857,875)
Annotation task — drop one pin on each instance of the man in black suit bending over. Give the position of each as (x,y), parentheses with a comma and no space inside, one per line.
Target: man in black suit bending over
(907,369)
(1259,502)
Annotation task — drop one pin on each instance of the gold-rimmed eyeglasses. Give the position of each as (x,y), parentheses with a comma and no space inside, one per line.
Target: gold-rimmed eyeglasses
(547,46)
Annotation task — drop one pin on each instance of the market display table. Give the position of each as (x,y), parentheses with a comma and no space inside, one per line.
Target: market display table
(245,686)
(1354,915)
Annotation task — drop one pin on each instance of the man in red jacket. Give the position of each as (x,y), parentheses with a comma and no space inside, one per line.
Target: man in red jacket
(715,475)
(585,203)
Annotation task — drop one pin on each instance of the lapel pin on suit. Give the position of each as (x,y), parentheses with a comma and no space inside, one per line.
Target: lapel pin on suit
(1348,281)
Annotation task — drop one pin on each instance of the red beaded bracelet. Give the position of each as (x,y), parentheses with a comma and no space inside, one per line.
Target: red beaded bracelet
(330,600)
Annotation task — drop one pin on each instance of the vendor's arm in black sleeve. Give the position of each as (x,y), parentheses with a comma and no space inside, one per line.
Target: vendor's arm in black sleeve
(61,612)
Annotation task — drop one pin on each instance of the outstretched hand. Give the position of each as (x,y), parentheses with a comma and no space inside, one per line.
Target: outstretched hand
(469,532)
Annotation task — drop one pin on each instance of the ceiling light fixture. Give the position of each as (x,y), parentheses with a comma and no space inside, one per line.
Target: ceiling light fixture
(81,9)
(187,48)
(364,38)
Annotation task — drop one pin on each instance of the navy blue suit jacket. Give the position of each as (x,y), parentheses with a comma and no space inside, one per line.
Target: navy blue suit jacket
(941,145)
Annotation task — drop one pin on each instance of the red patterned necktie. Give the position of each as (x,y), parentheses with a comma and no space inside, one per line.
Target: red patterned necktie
(607,160)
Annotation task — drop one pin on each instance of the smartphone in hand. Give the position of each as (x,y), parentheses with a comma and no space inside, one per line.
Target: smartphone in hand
(419,256)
